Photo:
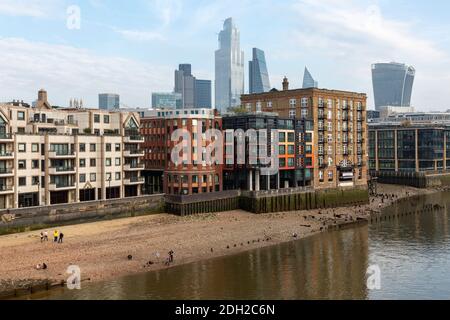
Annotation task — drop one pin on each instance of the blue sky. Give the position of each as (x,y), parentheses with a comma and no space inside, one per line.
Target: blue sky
(132,47)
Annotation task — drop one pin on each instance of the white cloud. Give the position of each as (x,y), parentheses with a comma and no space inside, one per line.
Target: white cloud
(27,8)
(140,35)
(166,10)
(71,72)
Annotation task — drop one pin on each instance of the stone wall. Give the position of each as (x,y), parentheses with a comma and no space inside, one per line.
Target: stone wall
(413,179)
(16,220)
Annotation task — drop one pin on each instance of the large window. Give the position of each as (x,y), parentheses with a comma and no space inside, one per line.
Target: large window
(386,144)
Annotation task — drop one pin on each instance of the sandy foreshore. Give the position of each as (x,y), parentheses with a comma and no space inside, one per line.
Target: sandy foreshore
(101,249)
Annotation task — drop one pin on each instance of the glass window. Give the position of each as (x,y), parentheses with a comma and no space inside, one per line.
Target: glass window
(22,147)
(93,177)
(20,115)
(22,181)
(118,176)
(96,118)
(35,147)
(117,161)
(22,164)
(117,147)
(82,147)
(108,162)
(282,137)
(106,118)
(93,147)
(82,178)
(108,147)
(93,163)
(82,163)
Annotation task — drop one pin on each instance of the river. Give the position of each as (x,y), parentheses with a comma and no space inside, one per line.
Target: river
(413,254)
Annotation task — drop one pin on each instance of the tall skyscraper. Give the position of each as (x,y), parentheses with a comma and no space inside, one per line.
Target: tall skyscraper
(229,68)
(258,75)
(185,85)
(108,101)
(308,80)
(203,94)
(166,100)
(392,84)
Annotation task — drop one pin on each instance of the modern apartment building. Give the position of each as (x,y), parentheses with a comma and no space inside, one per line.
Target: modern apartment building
(191,175)
(335,122)
(108,101)
(229,61)
(409,147)
(293,140)
(54,155)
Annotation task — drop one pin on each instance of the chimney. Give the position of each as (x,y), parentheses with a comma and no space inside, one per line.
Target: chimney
(285,84)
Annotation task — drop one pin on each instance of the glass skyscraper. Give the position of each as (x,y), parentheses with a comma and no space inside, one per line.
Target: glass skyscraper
(185,85)
(258,74)
(392,84)
(203,94)
(308,80)
(108,101)
(229,68)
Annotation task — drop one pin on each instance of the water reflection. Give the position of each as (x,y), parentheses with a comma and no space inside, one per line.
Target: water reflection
(412,251)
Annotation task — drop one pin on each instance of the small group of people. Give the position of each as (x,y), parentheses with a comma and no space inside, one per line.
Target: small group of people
(170,259)
(57,236)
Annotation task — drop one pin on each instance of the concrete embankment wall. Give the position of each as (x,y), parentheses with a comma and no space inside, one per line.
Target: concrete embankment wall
(17,220)
(318,199)
(413,179)
(285,200)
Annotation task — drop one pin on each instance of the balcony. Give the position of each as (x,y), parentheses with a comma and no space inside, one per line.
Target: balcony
(62,154)
(6,137)
(134,139)
(6,172)
(61,170)
(6,189)
(61,186)
(133,167)
(134,181)
(133,153)
(6,155)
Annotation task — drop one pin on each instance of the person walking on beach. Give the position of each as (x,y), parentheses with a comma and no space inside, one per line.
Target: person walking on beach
(55,236)
(42,237)
(171,256)
(61,237)
(45,236)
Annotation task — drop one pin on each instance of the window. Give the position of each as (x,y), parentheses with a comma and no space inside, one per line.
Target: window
(22,164)
(35,181)
(282,137)
(109,176)
(291,150)
(117,147)
(308,148)
(291,162)
(93,177)
(269,105)
(330,175)
(35,147)
(82,147)
(82,178)
(108,162)
(282,150)
(82,163)
(22,181)
(304,113)
(258,107)
(321,176)
(22,147)
(117,161)
(93,163)
(108,147)
(93,147)
(34,164)
(292,103)
(106,119)
(96,118)
(292,114)
(118,176)
(20,115)
(291,137)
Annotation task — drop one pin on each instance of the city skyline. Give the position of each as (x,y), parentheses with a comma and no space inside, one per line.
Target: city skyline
(136,58)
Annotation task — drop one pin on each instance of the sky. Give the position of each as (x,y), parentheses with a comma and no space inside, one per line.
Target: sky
(133,47)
